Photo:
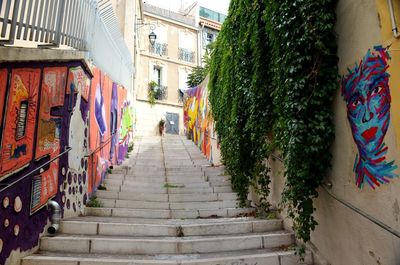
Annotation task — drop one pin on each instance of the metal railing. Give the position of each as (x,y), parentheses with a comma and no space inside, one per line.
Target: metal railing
(186,55)
(327,188)
(160,92)
(159,48)
(85,25)
(8,185)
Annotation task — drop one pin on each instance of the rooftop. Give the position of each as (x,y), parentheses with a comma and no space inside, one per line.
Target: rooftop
(188,20)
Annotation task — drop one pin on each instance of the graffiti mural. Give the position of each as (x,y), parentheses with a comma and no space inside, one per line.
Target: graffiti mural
(106,117)
(44,186)
(47,146)
(366,91)
(20,119)
(197,119)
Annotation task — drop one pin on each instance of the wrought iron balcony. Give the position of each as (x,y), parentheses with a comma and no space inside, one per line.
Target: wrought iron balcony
(159,48)
(186,55)
(160,92)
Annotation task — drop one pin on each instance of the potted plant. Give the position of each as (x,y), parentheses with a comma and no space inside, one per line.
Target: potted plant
(161,125)
(151,95)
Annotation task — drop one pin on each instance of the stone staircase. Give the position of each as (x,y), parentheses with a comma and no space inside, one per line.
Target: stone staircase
(167,205)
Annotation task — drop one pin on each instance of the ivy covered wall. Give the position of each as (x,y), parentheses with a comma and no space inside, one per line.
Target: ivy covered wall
(272,77)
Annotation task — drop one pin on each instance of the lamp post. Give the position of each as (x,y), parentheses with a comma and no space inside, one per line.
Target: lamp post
(152,38)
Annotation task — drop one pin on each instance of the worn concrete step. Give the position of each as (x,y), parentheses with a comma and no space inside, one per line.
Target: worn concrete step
(183,229)
(159,213)
(246,257)
(107,194)
(165,245)
(111,203)
(177,197)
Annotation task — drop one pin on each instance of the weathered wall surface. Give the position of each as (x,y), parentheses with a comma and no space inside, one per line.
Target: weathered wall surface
(365,152)
(46,108)
(199,124)
(366,149)
(149,117)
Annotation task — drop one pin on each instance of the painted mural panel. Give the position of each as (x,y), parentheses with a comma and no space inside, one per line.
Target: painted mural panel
(197,118)
(106,147)
(20,120)
(367,94)
(76,188)
(45,185)
(3,86)
(43,118)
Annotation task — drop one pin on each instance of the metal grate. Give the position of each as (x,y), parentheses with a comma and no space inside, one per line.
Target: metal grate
(186,55)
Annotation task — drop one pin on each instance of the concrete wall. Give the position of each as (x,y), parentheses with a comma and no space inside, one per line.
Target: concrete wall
(343,236)
(149,116)
(47,107)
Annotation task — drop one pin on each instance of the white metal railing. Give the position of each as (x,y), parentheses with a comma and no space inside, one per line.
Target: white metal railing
(85,25)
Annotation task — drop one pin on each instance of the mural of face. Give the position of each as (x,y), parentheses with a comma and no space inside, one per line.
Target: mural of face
(366,92)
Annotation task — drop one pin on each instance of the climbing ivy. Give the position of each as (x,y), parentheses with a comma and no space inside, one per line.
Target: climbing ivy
(273,72)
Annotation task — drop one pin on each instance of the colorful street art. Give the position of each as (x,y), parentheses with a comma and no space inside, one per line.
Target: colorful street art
(197,118)
(106,127)
(366,91)
(46,109)
(20,119)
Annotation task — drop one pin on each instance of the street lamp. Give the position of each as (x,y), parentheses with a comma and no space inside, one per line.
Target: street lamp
(152,35)
(152,38)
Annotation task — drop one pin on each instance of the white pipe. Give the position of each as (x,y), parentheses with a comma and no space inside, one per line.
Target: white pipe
(55,217)
(395,31)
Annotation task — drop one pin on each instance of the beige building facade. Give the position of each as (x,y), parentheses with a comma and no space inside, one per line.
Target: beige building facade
(168,63)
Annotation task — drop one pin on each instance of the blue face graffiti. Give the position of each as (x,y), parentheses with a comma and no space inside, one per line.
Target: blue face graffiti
(366,91)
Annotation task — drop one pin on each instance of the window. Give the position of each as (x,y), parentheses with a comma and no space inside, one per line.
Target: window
(160,90)
(157,75)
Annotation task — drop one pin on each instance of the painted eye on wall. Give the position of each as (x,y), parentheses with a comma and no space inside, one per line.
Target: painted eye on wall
(376,90)
(355,103)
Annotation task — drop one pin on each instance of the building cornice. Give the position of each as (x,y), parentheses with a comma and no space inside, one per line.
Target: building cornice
(170,21)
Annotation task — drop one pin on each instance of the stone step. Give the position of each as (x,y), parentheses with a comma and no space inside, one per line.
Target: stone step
(182,197)
(196,229)
(159,213)
(165,245)
(110,203)
(246,257)
(106,194)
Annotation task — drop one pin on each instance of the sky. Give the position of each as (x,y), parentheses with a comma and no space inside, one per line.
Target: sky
(220,6)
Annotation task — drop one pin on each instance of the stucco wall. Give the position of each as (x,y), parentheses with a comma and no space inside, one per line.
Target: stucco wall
(343,237)
(149,116)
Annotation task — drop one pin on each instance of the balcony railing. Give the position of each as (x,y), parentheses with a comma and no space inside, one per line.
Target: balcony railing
(160,92)
(85,25)
(159,48)
(186,55)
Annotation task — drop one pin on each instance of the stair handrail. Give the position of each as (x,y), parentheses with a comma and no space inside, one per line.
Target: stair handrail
(101,146)
(328,186)
(8,185)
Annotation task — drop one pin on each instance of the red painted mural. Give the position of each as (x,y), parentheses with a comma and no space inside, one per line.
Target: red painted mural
(62,126)
(20,120)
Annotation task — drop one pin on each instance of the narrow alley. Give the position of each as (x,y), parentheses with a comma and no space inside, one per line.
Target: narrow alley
(167,205)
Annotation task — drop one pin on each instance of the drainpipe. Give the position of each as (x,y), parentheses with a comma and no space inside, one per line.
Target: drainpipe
(396,33)
(55,217)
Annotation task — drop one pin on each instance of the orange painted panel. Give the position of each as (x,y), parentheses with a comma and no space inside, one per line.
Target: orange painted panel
(19,129)
(3,89)
(49,127)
